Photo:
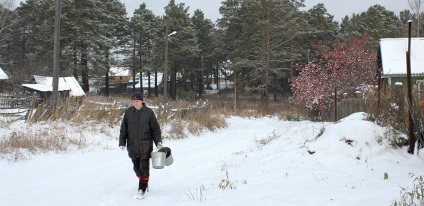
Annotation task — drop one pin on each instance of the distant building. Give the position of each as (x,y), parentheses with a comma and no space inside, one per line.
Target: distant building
(145,81)
(3,76)
(119,76)
(3,83)
(68,86)
(393,56)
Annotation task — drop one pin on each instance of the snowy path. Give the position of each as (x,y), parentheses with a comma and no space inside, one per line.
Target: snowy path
(282,173)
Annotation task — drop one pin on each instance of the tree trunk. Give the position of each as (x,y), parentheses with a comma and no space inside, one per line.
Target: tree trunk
(200,78)
(235,90)
(107,84)
(140,56)
(267,49)
(335,105)
(107,76)
(217,78)
(133,67)
(84,64)
(148,84)
(156,84)
(172,83)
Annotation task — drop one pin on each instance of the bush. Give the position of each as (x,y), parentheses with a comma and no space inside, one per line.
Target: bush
(390,111)
(413,197)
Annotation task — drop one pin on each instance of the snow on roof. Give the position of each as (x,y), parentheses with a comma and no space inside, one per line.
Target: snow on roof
(48,81)
(76,89)
(39,87)
(393,55)
(44,84)
(120,71)
(3,75)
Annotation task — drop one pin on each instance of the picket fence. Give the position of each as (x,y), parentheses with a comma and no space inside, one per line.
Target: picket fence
(15,101)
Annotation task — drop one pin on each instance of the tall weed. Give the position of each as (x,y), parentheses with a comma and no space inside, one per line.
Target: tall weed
(414,196)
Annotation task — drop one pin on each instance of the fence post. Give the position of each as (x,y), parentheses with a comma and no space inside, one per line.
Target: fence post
(399,93)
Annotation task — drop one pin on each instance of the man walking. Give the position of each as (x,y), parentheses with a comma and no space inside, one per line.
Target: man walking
(139,129)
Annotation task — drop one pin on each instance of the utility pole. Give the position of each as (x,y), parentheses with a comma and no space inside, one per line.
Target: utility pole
(408,74)
(133,68)
(165,69)
(56,58)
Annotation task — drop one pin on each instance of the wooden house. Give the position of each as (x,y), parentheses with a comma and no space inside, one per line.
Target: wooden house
(3,75)
(3,78)
(393,56)
(68,86)
(119,76)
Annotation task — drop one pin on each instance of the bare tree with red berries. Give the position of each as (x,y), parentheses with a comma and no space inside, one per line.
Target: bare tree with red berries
(348,67)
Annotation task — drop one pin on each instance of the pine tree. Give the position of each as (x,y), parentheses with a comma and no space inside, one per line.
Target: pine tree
(9,40)
(36,22)
(6,27)
(262,50)
(204,31)
(322,29)
(230,25)
(94,28)
(183,47)
(376,23)
(143,30)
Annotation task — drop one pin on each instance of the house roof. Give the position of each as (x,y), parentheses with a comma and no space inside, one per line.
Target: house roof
(39,87)
(45,84)
(393,55)
(120,71)
(3,76)
(48,81)
(76,89)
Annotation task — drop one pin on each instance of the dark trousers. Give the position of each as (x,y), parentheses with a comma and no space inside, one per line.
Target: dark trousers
(141,169)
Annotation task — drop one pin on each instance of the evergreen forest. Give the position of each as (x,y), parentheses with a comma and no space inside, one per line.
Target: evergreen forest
(261,45)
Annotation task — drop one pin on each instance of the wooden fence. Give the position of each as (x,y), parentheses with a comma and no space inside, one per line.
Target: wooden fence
(345,108)
(14,101)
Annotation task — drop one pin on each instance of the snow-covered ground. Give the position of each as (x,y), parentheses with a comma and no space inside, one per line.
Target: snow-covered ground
(263,161)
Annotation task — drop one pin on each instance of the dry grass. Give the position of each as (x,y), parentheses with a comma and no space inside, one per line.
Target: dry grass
(391,111)
(82,115)
(178,119)
(177,131)
(256,108)
(413,196)
(93,108)
(186,118)
(13,148)
(210,113)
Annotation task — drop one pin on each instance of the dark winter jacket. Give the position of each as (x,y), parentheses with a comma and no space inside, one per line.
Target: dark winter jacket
(139,129)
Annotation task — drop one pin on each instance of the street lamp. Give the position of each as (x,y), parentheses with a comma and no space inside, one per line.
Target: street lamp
(165,72)
(172,33)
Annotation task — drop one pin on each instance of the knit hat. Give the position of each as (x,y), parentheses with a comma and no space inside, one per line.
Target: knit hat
(137,96)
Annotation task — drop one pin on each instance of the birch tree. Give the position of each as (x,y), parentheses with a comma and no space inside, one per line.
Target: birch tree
(416,6)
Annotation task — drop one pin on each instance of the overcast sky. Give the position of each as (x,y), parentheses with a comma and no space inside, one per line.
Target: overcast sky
(338,8)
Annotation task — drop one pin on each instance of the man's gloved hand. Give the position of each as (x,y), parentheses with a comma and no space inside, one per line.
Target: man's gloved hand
(159,145)
(122,147)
